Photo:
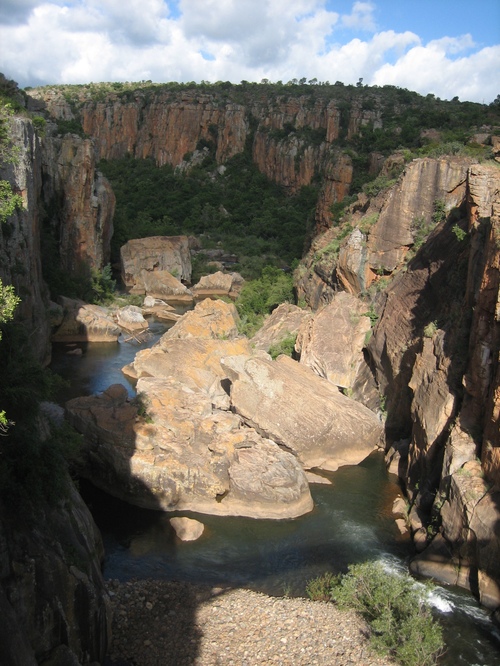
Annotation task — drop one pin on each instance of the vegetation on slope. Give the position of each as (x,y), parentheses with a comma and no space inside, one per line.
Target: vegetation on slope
(241,209)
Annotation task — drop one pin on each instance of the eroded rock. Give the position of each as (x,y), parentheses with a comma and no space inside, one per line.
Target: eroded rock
(187,529)
(209,319)
(284,321)
(142,256)
(218,284)
(85,323)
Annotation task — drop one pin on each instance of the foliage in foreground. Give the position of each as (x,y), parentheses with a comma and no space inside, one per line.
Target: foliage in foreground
(401,623)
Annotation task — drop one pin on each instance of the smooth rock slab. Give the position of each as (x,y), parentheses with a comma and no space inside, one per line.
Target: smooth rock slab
(142,256)
(284,321)
(85,323)
(331,343)
(209,319)
(288,403)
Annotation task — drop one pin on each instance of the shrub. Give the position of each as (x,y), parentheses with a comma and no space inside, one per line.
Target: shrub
(285,346)
(319,589)
(102,284)
(430,329)
(260,297)
(401,623)
(460,234)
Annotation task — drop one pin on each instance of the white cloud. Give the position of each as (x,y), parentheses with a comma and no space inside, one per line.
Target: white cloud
(361,17)
(429,69)
(51,41)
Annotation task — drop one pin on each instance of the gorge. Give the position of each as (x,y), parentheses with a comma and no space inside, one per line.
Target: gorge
(416,264)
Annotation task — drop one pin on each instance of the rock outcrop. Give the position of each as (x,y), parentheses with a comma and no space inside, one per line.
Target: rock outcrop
(438,368)
(380,234)
(218,284)
(85,323)
(79,204)
(131,318)
(331,343)
(20,258)
(209,319)
(286,320)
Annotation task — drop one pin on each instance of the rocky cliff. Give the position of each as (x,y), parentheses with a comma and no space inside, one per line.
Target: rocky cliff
(427,252)
(52,598)
(292,139)
(425,249)
(20,257)
(79,203)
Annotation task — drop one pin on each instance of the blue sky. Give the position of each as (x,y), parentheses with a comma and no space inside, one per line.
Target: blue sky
(445,47)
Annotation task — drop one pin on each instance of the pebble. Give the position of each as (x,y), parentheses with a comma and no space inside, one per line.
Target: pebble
(196,625)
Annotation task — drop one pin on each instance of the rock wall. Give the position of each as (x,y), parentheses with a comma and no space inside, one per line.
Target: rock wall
(20,258)
(290,137)
(79,203)
(435,355)
(52,597)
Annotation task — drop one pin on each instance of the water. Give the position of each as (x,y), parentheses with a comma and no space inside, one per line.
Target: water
(351,522)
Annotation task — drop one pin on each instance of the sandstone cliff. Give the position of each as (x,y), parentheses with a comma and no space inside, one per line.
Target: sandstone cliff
(79,204)
(291,138)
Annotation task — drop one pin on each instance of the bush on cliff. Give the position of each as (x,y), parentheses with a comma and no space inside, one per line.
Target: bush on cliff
(400,621)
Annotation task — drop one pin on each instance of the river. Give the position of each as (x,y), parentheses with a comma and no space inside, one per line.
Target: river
(351,522)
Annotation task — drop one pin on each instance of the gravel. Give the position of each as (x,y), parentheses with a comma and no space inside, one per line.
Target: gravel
(164,623)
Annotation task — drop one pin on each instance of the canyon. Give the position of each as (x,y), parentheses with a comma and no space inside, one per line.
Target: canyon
(426,360)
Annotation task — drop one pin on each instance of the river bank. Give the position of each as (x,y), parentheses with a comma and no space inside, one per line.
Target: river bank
(164,623)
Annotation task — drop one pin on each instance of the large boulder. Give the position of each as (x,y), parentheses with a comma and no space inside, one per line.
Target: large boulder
(182,454)
(194,362)
(218,284)
(284,321)
(304,413)
(85,323)
(209,319)
(162,285)
(131,318)
(331,343)
(156,253)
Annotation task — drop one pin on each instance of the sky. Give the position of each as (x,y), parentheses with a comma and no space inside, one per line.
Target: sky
(445,47)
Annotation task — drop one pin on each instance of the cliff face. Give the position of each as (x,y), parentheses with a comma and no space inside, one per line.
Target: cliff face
(52,598)
(79,203)
(435,355)
(291,139)
(20,259)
